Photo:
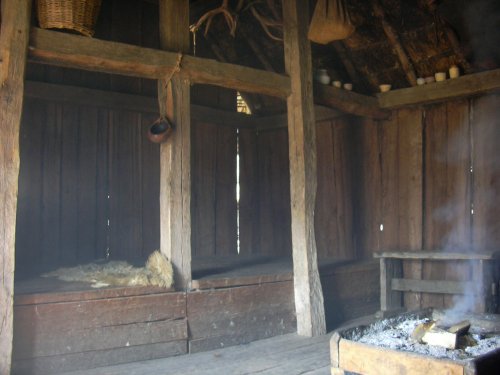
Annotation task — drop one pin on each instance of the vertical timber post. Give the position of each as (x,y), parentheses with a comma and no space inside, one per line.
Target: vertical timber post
(175,154)
(309,303)
(14,36)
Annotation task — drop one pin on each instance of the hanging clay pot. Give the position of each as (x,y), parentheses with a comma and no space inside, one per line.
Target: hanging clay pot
(160,130)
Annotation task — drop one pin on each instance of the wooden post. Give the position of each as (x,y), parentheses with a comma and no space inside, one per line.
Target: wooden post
(14,35)
(302,152)
(175,154)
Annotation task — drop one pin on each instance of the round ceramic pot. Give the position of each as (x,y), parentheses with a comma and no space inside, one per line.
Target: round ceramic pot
(322,76)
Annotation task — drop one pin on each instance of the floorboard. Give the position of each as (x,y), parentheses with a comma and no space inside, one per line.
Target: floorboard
(282,355)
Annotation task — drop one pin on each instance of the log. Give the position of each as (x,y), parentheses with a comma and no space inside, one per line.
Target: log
(175,154)
(440,337)
(309,303)
(460,328)
(14,36)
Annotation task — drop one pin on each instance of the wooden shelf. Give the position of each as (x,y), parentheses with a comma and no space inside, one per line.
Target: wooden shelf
(437,255)
(349,102)
(468,85)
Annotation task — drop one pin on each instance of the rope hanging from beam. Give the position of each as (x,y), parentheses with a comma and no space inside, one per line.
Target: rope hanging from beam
(162,128)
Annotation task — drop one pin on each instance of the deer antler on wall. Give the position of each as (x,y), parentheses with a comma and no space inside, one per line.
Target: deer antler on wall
(267,23)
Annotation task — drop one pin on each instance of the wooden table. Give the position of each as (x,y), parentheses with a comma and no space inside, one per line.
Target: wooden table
(484,280)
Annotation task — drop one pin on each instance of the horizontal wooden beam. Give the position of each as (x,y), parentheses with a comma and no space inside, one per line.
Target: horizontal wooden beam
(61,49)
(432,286)
(280,121)
(437,255)
(349,102)
(147,104)
(90,97)
(468,85)
(130,102)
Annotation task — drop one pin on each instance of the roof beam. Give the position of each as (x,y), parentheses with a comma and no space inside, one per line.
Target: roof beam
(348,64)
(393,37)
(468,85)
(55,48)
(256,49)
(349,102)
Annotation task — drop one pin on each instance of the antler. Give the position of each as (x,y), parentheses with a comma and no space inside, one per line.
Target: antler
(231,19)
(267,23)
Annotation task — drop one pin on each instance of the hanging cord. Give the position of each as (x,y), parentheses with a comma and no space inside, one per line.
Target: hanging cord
(164,84)
(162,128)
(177,69)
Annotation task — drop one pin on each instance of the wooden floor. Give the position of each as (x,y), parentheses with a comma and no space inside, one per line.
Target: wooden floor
(281,355)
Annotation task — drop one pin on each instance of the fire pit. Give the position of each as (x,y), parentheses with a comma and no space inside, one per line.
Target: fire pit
(387,346)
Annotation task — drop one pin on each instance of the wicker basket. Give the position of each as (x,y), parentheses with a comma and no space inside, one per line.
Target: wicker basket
(76,15)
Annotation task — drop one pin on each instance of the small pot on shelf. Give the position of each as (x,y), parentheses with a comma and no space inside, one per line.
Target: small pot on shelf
(322,76)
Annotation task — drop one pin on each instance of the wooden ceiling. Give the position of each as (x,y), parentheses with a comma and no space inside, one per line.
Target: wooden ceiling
(395,41)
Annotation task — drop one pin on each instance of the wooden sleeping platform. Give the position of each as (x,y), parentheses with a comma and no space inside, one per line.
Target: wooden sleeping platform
(61,326)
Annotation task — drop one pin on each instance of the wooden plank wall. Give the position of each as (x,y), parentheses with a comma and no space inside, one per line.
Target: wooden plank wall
(250,313)
(273,186)
(415,179)
(265,191)
(72,159)
(214,190)
(95,330)
(334,209)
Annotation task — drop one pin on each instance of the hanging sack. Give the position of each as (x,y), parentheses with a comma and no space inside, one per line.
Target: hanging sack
(330,22)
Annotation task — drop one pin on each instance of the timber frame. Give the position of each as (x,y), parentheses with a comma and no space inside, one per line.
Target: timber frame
(13,49)
(20,43)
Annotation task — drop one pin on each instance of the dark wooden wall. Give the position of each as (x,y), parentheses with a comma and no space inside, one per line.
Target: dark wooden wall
(265,193)
(214,190)
(421,174)
(80,167)
(265,222)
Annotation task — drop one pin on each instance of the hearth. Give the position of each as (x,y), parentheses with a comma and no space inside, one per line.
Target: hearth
(386,347)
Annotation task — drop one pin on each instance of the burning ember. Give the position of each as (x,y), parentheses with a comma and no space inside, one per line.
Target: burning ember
(426,336)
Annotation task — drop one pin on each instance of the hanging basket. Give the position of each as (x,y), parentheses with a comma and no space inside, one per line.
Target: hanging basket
(75,15)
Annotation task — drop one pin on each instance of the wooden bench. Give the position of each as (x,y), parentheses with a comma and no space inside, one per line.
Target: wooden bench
(484,280)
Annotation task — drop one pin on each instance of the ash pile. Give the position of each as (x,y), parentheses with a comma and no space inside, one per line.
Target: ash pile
(429,334)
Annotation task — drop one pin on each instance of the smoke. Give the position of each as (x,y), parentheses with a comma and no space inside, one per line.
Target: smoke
(472,226)
(464,304)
